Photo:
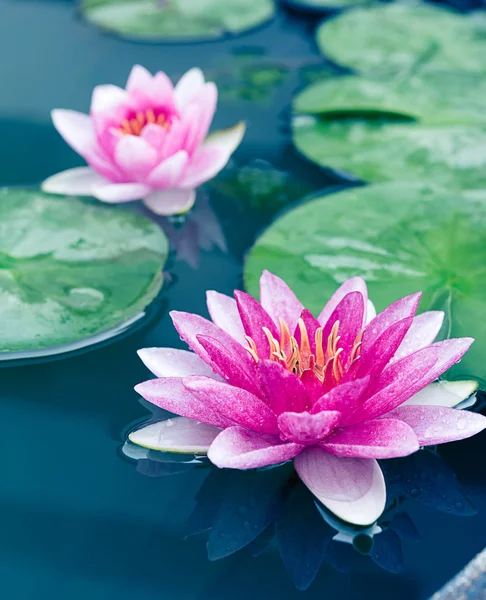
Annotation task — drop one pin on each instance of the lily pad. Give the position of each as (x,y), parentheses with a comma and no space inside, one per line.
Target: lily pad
(72,271)
(401,238)
(400,37)
(323,6)
(452,156)
(173,20)
(438,97)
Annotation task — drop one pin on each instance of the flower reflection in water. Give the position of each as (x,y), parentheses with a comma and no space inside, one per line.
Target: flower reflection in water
(271,510)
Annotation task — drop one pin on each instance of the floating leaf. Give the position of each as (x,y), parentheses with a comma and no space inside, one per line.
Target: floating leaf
(71,269)
(438,97)
(171,20)
(452,156)
(402,238)
(401,37)
(323,6)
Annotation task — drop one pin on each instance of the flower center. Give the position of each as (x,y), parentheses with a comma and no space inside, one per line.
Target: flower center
(135,122)
(299,358)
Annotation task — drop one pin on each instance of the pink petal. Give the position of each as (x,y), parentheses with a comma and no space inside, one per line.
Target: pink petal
(224,313)
(351,488)
(438,424)
(189,326)
(283,390)
(344,398)
(395,385)
(135,157)
(375,358)
(200,116)
(188,87)
(76,129)
(120,192)
(279,300)
(312,385)
(179,435)
(242,407)
(170,394)
(237,374)
(106,98)
(139,78)
(350,314)
(73,182)
(238,448)
(450,352)
(399,310)
(370,312)
(304,428)
(213,155)
(355,284)
(383,438)
(169,172)
(155,135)
(423,331)
(170,202)
(170,362)
(254,318)
(311,325)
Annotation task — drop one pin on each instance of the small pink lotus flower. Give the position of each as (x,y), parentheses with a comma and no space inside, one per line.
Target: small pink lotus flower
(147,141)
(268,382)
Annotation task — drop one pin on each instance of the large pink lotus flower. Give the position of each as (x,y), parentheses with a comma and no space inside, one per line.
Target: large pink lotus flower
(147,141)
(268,382)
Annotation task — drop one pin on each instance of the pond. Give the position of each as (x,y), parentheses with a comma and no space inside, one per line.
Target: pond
(77,518)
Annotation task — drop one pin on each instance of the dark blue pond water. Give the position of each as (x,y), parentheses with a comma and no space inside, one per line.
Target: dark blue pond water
(76,519)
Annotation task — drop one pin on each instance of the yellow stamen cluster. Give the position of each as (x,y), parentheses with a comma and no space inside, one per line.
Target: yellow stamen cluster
(298,358)
(134,126)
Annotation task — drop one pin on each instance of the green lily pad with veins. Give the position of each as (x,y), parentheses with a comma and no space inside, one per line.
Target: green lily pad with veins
(403,37)
(401,238)
(72,269)
(172,20)
(437,97)
(453,156)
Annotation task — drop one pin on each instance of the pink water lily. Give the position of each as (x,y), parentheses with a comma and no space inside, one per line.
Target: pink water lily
(147,141)
(268,382)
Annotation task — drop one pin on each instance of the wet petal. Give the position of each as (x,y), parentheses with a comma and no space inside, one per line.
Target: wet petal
(238,448)
(241,375)
(224,313)
(304,428)
(283,390)
(239,405)
(189,326)
(383,438)
(344,398)
(170,394)
(170,202)
(74,182)
(254,318)
(350,314)
(399,310)
(179,435)
(438,424)
(355,284)
(279,300)
(422,332)
(351,488)
(450,352)
(171,362)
